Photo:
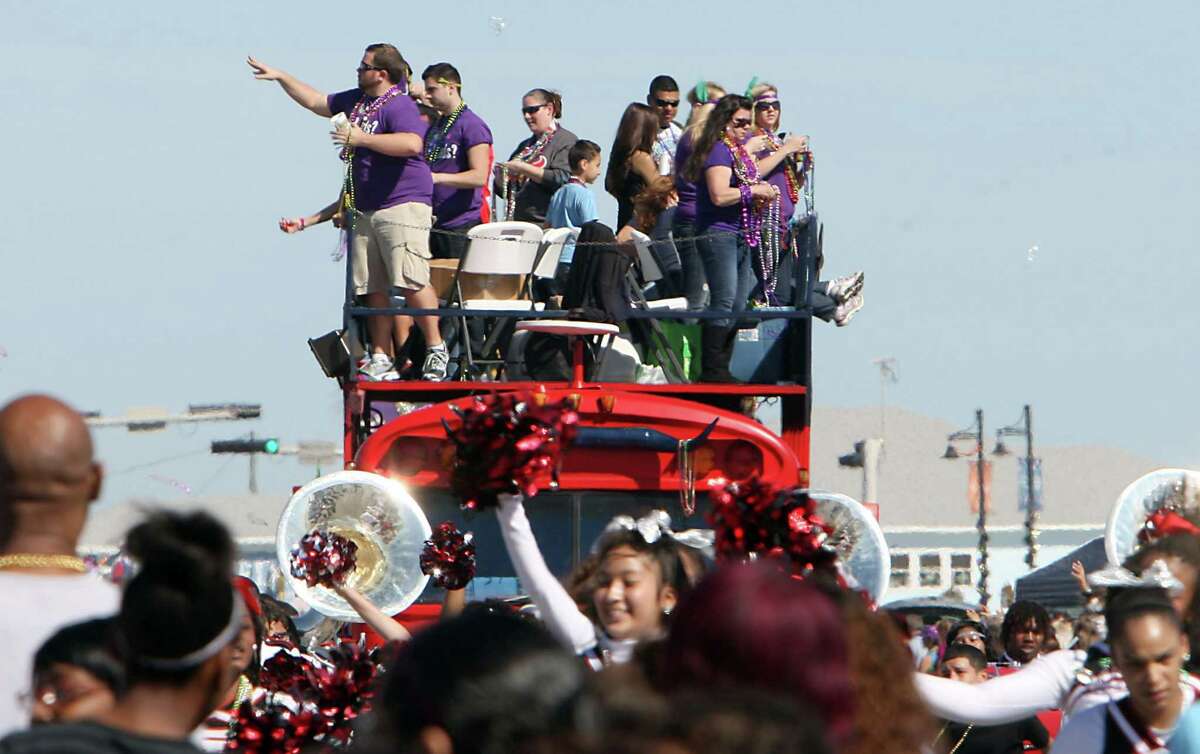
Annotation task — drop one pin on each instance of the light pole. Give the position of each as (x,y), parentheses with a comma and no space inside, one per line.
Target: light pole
(976,434)
(1024,427)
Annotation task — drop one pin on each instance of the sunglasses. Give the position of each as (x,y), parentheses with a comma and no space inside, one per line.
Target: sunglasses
(667,102)
(531,109)
(767,106)
(740,122)
(365,68)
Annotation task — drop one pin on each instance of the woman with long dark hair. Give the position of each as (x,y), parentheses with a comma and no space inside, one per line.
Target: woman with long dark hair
(630,166)
(177,627)
(538,166)
(729,190)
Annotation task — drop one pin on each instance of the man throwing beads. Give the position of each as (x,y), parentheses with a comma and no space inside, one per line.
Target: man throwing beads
(388,192)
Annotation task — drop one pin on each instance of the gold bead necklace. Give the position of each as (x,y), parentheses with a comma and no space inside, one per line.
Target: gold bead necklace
(30,560)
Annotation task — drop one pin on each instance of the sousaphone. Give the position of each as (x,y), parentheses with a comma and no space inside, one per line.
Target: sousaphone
(1176,489)
(858,539)
(377,514)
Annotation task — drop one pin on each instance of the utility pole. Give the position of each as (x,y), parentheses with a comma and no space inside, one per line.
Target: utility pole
(976,434)
(1032,501)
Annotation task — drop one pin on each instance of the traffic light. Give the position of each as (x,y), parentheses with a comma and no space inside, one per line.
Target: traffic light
(853,460)
(268,445)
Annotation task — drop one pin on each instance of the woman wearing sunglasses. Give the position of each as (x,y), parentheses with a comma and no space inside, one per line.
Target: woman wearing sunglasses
(781,160)
(538,166)
(728,190)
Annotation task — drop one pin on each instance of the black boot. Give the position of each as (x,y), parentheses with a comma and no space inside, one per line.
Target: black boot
(715,350)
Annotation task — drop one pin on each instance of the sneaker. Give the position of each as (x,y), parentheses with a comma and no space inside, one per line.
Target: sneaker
(378,369)
(845,288)
(437,361)
(847,309)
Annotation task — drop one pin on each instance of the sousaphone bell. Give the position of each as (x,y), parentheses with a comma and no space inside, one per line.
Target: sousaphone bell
(377,514)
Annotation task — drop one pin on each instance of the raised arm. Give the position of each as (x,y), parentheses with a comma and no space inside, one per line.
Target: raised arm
(297,224)
(793,145)
(383,624)
(559,612)
(304,95)
(1042,684)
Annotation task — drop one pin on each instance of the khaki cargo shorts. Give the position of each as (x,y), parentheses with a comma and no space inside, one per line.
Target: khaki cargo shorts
(390,248)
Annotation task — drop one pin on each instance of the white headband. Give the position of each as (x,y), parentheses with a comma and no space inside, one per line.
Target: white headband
(218,642)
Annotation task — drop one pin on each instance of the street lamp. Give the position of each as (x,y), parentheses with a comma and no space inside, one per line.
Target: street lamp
(951,453)
(1024,427)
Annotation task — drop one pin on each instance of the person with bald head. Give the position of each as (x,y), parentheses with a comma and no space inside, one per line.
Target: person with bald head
(48,478)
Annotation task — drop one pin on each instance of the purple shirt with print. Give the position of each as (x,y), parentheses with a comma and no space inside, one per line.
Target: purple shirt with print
(685,211)
(382,181)
(708,215)
(455,207)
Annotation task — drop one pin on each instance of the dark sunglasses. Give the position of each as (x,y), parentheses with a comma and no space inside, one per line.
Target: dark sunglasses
(667,102)
(531,109)
(767,106)
(739,122)
(365,68)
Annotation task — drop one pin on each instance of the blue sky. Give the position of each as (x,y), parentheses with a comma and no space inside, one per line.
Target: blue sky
(144,170)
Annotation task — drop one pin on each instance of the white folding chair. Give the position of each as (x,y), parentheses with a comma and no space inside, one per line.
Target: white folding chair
(652,273)
(553,243)
(505,249)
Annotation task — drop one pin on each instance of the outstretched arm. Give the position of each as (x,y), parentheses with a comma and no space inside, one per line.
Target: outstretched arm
(558,610)
(297,224)
(383,624)
(1042,684)
(306,96)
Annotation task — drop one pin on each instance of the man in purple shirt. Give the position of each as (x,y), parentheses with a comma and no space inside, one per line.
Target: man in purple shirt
(389,191)
(458,148)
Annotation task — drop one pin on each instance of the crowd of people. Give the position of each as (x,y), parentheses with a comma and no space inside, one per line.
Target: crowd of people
(648,646)
(723,198)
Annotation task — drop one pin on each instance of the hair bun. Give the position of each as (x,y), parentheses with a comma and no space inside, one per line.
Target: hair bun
(181,547)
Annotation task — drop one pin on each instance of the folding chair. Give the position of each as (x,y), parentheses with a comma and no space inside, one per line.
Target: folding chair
(498,250)
(546,264)
(650,273)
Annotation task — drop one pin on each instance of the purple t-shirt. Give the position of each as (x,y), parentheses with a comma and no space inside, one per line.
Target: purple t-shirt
(686,209)
(455,207)
(381,181)
(778,179)
(708,215)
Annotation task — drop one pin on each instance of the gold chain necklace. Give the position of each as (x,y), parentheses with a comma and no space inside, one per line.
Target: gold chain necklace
(960,741)
(29,560)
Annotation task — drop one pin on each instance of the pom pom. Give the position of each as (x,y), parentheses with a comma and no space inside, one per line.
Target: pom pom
(507,444)
(449,557)
(271,726)
(752,520)
(285,672)
(323,558)
(308,702)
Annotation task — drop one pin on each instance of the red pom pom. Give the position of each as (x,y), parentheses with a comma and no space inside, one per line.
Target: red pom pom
(449,557)
(309,702)
(507,444)
(753,520)
(323,558)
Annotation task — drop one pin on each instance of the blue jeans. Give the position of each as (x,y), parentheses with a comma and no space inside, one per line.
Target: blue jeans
(727,264)
(689,260)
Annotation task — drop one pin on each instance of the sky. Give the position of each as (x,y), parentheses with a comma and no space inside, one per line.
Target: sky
(145,169)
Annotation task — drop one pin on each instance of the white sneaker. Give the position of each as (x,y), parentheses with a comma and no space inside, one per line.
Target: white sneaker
(437,361)
(845,288)
(379,369)
(846,310)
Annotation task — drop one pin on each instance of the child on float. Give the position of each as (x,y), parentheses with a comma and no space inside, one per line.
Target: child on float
(639,578)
